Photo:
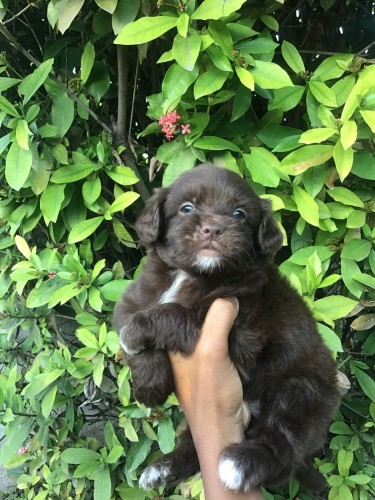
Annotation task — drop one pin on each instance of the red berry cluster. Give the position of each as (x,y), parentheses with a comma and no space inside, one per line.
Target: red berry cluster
(170,127)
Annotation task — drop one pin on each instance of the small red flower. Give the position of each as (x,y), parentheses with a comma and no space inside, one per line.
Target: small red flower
(185,129)
(22,451)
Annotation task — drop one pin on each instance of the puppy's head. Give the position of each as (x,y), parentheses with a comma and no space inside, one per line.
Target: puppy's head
(209,220)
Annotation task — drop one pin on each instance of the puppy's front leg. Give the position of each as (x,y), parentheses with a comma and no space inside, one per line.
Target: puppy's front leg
(170,327)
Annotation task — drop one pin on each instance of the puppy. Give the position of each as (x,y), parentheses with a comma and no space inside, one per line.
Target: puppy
(209,235)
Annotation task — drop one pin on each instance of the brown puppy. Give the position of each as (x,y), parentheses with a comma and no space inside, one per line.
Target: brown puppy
(209,235)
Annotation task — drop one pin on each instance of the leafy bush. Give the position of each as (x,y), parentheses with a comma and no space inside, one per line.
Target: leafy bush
(226,89)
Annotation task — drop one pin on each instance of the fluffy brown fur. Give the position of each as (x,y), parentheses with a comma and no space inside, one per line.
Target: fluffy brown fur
(209,235)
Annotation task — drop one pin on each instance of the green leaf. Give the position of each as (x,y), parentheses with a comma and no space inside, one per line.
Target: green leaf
(218,58)
(270,22)
(215,9)
(22,134)
(176,82)
(8,107)
(329,69)
(113,290)
(99,80)
(286,98)
(186,50)
(35,80)
(124,14)
(213,143)
(333,307)
(269,75)
(301,256)
(138,453)
(84,229)
(114,454)
(222,37)
(245,77)
(348,134)
(123,201)
(166,435)
(341,428)
(292,57)
(183,24)
(87,61)
(366,382)
(86,469)
(183,160)
(345,196)
(356,219)
(41,382)
(17,166)
(97,373)
(260,45)
(263,166)
(349,267)
(107,5)
(51,201)
(364,165)
(365,279)
(62,114)
(122,175)
(72,173)
(360,479)
(308,156)
(63,13)
(145,29)
(6,83)
(48,401)
(77,456)
(356,249)
(323,94)
(306,205)
(14,442)
(316,135)
(331,340)
(209,82)
(91,190)
(369,117)
(343,159)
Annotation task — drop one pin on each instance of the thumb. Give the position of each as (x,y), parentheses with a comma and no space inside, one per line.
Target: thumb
(218,323)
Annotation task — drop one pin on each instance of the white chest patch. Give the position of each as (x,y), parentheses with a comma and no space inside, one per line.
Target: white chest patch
(170,294)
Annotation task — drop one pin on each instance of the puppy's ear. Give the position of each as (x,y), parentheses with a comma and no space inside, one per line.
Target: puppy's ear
(150,223)
(270,237)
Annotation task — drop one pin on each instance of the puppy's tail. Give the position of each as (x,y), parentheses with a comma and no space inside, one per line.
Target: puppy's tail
(311,479)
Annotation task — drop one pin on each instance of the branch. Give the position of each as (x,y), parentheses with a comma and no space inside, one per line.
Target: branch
(362,52)
(122,101)
(22,11)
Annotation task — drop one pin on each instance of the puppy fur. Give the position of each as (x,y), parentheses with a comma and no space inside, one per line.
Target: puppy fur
(209,235)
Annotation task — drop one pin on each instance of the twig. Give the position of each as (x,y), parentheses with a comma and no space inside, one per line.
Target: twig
(362,52)
(122,101)
(133,101)
(22,11)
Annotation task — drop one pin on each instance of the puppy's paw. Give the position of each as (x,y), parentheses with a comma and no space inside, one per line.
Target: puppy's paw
(230,473)
(133,334)
(151,395)
(155,475)
(238,468)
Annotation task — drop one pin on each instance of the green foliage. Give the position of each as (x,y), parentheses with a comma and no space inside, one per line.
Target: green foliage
(300,129)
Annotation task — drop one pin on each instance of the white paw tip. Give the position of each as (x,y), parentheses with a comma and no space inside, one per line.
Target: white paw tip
(230,475)
(153,476)
(127,349)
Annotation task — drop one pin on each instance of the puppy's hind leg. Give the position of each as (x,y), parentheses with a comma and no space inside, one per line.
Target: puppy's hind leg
(291,426)
(181,463)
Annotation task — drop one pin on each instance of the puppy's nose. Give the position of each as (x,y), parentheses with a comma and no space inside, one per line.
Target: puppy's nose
(211,230)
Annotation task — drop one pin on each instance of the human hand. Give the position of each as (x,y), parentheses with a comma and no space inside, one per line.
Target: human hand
(207,380)
(210,392)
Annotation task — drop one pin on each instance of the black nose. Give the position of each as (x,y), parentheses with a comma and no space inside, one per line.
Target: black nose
(211,230)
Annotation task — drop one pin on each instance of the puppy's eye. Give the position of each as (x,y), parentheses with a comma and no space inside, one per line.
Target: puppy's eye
(239,214)
(187,208)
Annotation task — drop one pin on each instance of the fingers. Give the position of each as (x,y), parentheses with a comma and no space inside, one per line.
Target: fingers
(218,323)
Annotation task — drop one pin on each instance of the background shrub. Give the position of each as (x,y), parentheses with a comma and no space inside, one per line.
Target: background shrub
(99,102)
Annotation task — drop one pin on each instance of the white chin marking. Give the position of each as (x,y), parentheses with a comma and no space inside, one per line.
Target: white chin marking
(230,475)
(207,262)
(154,475)
(127,349)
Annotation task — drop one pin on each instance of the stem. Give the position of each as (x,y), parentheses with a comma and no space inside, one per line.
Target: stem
(122,101)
